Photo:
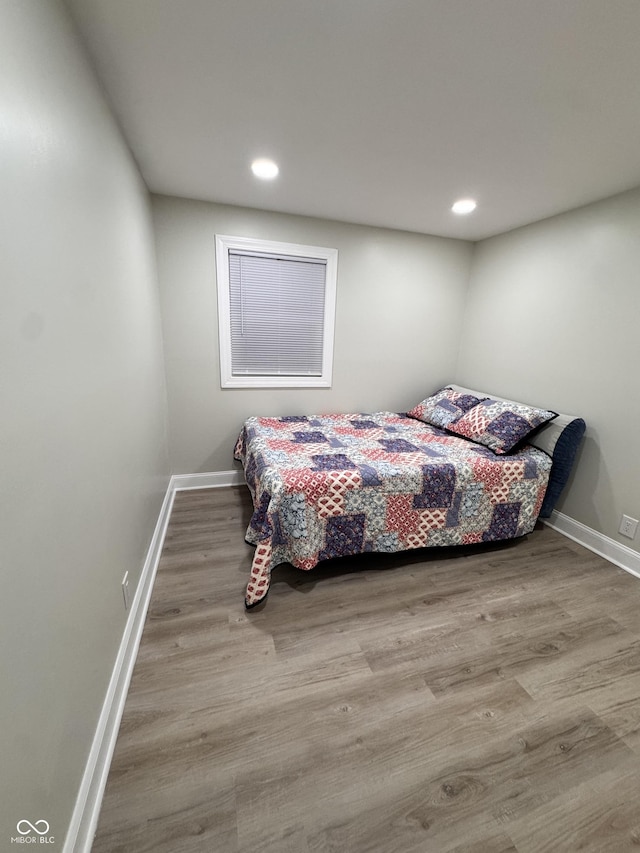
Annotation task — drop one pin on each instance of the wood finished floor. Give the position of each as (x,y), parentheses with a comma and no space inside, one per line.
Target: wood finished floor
(482,701)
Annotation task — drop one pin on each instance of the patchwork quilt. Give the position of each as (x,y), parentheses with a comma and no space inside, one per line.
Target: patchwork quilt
(334,485)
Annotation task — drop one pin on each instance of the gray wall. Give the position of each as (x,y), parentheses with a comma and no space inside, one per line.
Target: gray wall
(82,433)
(553,318)
(399,301)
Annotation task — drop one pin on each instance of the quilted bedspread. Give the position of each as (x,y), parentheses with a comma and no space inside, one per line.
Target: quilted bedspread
(334,485)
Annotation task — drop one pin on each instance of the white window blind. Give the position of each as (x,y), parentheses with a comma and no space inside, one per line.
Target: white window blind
(277,306)
(276,313)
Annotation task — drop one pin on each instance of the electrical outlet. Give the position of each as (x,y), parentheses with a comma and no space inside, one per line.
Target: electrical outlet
(125,591)
(628,526)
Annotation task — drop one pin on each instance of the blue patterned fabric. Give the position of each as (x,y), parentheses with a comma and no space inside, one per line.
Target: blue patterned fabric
(500,425)
(313,501)
(444,407)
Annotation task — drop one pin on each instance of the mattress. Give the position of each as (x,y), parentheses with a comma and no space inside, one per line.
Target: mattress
(335,485)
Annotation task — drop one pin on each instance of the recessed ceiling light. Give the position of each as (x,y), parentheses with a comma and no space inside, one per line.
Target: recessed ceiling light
(265,169)
(463,206)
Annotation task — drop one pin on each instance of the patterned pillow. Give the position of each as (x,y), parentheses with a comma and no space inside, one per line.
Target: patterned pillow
(498,425)
(444,407)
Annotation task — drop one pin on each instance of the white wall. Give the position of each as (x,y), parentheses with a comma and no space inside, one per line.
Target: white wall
(82,433)
(552,318)
(399,301)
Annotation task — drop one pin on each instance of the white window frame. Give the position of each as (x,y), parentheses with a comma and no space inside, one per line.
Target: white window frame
(226,243)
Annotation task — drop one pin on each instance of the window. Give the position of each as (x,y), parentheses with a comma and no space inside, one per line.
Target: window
(276,310)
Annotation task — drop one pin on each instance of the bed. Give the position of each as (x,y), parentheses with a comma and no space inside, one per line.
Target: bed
(462,467)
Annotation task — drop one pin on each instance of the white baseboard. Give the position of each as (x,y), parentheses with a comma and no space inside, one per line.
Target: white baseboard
(209,480)
(615,552)
(84,819)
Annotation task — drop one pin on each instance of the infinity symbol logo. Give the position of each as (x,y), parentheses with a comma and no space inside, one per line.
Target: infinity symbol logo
(31,827)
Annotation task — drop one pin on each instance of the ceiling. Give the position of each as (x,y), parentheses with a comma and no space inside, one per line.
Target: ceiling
(380,112)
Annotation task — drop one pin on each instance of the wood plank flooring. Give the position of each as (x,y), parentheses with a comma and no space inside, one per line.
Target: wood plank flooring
(444,701)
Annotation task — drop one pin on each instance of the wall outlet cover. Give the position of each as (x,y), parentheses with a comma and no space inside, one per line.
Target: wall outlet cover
(125,591)
(628,526)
